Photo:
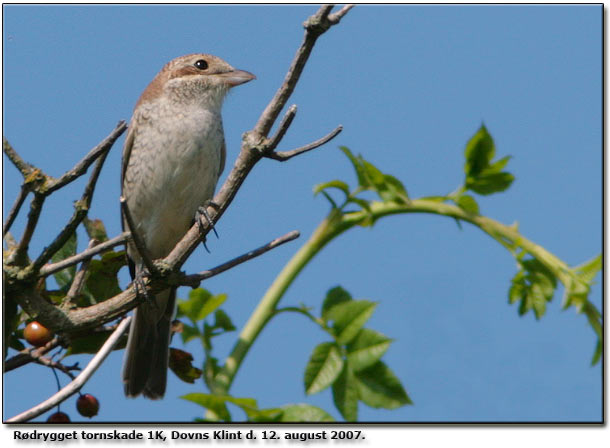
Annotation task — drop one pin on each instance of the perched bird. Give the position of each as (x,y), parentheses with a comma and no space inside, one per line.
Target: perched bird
(173,156)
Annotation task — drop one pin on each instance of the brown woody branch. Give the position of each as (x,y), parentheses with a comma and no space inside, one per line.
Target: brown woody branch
(12,214)
(83,165)
(30,354)
(24,168)
(255,145)
(52,268)
(193,280)
(79,381)
(82,208)
(282,156)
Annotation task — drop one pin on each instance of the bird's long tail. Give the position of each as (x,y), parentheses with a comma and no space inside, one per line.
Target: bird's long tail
(147,353)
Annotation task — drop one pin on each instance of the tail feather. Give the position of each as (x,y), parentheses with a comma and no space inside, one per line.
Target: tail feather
(147,353)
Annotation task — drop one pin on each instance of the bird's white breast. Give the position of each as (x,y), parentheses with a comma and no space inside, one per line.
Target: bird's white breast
(173,169)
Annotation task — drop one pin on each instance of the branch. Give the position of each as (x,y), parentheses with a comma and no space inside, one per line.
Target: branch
(254,144)
(253,147)
(282,156)
(81,167)
(315,26)
(20,255)
(57,365)
(82,208)
(79,278)
(24,168)
(282,128)
(80,380)
(337,16)
(30,354)
(84,255)
(12,214)
(194,279)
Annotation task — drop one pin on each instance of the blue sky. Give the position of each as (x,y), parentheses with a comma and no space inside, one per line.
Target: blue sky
(410,84)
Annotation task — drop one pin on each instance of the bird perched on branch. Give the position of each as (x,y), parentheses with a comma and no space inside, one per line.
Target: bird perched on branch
(173,156)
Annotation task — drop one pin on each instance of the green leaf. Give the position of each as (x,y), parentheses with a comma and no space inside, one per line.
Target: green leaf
(199,304)
(589,269)
(534,285)
(349,318)
(264,415)
(375,177)
(95,229)
(189,332)
(378,387)
(102,276)
(304,413)
(498,165)
(489,183)
(396,187)
(479,152)
(90,343)
(345,394)
(323,368)
(215,403)
(366,349)
(332,184)
(222,320)
(597,355)
(468,204)
(358,167)
(65,276)
(334,296)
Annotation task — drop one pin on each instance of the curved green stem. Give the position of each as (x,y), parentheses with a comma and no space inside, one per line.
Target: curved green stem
(335,224)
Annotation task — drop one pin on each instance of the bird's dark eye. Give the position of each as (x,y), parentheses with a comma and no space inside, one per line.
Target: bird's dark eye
(201,64)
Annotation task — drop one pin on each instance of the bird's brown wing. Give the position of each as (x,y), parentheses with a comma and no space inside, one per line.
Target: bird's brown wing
(223,156)
(131,132)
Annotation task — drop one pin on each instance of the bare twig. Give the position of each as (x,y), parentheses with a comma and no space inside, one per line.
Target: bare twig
(282,156)
(84,255)
(20,255)
(57,365)
(137,240)
(283,127)
(336,17)
(315,26)
(79,278)
(80,380)
(81,167)
(194,279)
(24,168)
(81,210)
(253,149)
(12,214)
(30,354)
(253,143)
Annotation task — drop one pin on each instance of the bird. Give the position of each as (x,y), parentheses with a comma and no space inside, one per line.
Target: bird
(173,155)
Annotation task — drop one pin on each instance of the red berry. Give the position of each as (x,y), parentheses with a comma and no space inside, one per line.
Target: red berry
(58,417)
(87,405)
(36,334)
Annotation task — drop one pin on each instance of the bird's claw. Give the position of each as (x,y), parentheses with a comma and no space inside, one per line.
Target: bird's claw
(202,212)
(140,284)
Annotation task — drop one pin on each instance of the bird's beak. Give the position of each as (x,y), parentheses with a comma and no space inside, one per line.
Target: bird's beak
(236,77)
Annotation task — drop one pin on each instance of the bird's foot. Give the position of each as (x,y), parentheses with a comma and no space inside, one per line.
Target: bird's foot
(202,213)
(142,275)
